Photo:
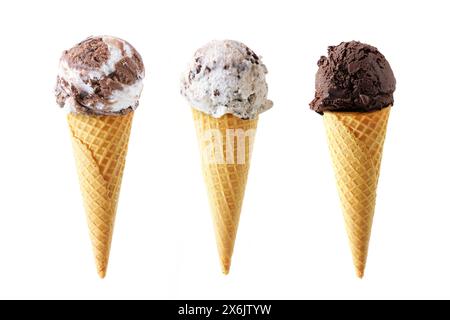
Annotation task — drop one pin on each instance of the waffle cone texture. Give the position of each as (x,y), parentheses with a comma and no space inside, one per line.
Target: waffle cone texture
(100,146)
(356,143)
(225,145)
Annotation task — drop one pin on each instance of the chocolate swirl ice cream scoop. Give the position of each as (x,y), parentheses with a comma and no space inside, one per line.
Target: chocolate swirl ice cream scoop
(354,77)
(101,75)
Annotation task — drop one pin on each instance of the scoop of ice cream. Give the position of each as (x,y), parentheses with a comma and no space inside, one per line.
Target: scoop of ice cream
(226,77)
(101,75)
(354,77)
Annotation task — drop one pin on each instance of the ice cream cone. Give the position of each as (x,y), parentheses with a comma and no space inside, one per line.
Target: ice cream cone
(100,145)
(225,144)
(356,141)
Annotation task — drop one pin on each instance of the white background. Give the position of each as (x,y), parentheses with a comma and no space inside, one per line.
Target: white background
(291,241)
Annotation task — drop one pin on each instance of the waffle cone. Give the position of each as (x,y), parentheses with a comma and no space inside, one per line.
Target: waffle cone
(225,164)
(100,145)
(356,143)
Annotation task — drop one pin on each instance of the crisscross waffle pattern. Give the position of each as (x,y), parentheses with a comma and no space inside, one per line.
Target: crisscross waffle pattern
(356,143)
(100,146)
(225,182)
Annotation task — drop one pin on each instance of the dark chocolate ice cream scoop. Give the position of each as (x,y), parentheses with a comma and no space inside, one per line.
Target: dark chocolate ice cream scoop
(355,77)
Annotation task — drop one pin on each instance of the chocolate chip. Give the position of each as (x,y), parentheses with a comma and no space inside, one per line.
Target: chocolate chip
(83,94)
(198,68)
(216,93)
(365,100)
(207,70)
(226,67)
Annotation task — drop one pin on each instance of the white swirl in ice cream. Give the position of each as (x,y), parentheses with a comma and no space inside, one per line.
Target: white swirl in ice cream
(226,77)
(101,75)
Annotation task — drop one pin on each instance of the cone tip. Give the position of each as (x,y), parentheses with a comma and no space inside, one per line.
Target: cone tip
(360,273)
(226,268)
(102,274)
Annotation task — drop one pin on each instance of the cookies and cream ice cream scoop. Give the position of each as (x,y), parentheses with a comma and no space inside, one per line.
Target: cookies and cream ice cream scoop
(226,77)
